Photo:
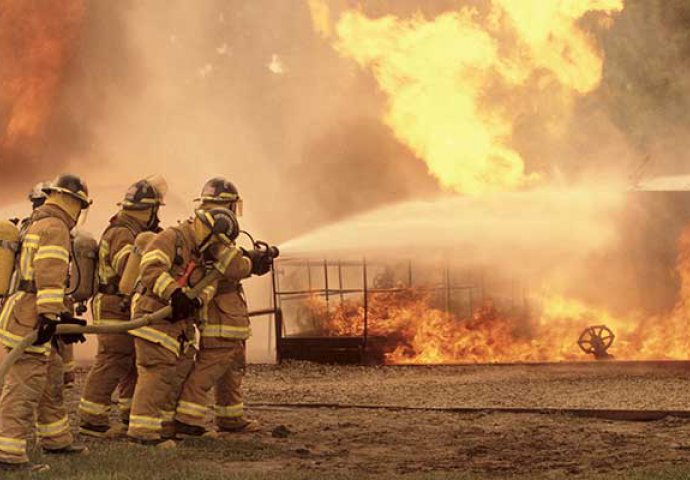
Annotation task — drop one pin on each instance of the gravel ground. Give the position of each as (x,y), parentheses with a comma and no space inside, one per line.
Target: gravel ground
(353,443)
(578,385)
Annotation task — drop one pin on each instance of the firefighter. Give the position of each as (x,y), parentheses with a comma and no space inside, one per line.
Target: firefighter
(34,384)
(222,357)
(175,260)
(37,197)
(114,365)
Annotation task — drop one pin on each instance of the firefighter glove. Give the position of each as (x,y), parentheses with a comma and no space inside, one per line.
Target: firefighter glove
(261,261)
(69,338)
(46,329)
(183,306)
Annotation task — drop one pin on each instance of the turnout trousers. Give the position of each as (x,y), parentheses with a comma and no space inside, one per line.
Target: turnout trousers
(159,377)
(113,369)
(33,386)
(222,368)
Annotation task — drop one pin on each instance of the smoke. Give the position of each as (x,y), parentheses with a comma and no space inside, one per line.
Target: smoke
(252,91)
(255,92)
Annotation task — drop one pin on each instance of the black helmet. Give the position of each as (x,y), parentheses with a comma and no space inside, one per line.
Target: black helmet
(72,186)
(144,194)
(219,190)
(222,222)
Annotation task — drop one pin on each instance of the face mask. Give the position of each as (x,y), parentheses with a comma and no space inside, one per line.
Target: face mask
(154,221)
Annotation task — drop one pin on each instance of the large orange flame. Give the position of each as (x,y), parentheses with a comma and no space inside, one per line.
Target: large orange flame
(36,42)
(457,84)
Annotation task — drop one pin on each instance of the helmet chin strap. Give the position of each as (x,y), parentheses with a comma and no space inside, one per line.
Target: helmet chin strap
(205,243)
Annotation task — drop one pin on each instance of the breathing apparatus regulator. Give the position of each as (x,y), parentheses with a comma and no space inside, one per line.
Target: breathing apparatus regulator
(222,226)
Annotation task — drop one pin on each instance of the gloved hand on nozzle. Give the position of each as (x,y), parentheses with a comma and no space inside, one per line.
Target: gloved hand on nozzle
(182,306)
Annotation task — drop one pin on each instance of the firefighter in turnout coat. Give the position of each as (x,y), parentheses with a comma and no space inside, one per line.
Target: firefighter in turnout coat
(173,262)
(33,389)
(114,363)
(222,357)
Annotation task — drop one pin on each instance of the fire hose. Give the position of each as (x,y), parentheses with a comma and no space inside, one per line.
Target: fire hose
(125,327)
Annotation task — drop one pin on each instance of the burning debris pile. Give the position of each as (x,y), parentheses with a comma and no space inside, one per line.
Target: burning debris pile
(412,328)
(415,332)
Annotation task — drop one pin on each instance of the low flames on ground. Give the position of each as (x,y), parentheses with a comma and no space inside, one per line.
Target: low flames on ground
(414,331)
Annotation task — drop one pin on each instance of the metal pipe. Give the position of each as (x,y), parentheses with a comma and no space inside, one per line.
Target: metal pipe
(366,306)
(325,283)
(340,281)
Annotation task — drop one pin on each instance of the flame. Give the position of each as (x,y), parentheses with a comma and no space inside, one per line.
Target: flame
(412,330)
(320,17)
(36,42)
(457,84)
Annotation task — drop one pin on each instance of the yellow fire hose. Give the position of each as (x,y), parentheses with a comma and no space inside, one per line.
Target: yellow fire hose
(164,312)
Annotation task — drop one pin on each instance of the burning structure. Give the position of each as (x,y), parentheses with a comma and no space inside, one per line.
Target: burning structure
(402,312)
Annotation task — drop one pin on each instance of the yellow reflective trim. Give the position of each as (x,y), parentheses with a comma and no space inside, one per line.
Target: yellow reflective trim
(11,340)
(96,308)
(31,239)
(191,409)
(92,407)
(229,411)
(50,295)
(52,429)
(69,366)
(162,283)
(51,252)
(12,445)
(145,423)
(124,404)
(156,255)
(155,336)
(168,416)
(8,307)
(121,255)
(50,291)
(226,331)
(223,263)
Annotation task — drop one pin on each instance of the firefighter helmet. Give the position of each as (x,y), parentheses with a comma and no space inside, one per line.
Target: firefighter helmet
(220,191)
(70,185)
(144,194)
(222,222)
(37,196)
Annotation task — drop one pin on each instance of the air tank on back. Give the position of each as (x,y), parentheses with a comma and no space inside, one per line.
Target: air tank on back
(131,273)
(83,282)
(9,247)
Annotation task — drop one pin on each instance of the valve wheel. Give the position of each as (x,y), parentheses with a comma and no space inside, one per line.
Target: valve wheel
(596,340)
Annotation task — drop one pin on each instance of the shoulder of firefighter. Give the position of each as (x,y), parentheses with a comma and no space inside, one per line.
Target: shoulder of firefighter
(226,318)
(43,275)
(114,250)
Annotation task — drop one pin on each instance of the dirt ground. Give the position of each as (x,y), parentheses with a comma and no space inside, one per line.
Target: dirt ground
(365,442)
